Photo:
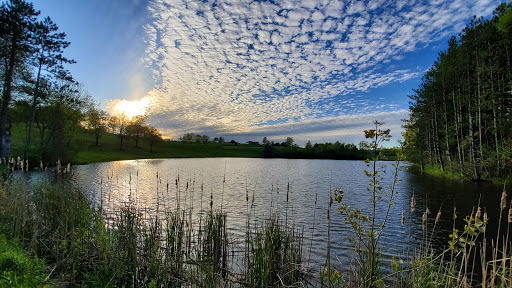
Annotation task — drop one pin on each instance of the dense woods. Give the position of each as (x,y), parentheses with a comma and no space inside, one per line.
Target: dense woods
(460,114)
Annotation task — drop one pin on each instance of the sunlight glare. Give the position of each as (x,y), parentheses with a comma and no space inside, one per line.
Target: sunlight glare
(131,108)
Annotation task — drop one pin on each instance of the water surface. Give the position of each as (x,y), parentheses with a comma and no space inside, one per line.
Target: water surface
(289,189)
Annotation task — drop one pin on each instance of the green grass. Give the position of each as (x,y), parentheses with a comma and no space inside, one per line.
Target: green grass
(82,148)
(436,171)
(109,151)
(17,268)
(455,175)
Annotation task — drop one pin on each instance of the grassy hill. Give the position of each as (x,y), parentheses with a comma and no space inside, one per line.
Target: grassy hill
(81,149)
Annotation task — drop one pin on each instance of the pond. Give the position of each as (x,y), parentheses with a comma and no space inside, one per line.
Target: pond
(298,191)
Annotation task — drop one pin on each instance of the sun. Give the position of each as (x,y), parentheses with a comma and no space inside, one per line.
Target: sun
(131,108)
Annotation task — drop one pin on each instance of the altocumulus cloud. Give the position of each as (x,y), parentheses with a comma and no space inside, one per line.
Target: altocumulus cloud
(288,68)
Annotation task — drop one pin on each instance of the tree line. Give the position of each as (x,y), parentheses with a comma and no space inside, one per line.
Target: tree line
(460,113)
(40,97)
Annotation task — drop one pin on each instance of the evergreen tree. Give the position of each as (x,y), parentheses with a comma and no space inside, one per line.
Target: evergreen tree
(17,24)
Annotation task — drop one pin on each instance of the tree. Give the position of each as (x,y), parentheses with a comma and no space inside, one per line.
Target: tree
(17,21)
(136,128)
(152,136)
(265,140)
(189,137)
(57,120)
(48,46)
(461,111)
(289,142)
(96,122)
(309,146)
(118,125)
(221,140)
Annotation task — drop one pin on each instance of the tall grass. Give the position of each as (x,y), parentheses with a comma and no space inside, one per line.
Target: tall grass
(137,249)
(84,246)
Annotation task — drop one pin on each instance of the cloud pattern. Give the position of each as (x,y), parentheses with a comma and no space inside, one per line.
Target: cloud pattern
(238,67)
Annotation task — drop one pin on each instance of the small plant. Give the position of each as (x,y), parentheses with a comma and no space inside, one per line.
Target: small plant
(366,225)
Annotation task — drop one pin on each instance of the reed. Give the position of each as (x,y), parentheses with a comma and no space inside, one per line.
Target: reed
(275,256)
(94,247)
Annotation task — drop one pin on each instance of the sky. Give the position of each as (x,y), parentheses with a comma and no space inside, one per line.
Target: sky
(315,70)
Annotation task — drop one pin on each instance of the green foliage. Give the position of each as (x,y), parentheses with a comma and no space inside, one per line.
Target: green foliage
(459,114)
(17,269)
(366,225)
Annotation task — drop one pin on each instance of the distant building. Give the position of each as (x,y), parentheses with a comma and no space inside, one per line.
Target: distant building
(253,142)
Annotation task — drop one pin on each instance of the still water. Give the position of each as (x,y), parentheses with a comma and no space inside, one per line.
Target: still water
(298,191)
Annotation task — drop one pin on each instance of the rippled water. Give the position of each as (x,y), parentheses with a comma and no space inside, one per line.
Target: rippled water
(233,183)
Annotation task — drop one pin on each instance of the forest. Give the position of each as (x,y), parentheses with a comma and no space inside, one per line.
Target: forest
(460,114)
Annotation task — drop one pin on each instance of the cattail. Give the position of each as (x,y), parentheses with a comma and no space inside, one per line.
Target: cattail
(69,168)
(424,221)
(486,219)
(26,165)
(503,200)
(510,215)
(21,165)
(427,211)
(403,217)
(41,164)
(478,212)
(413,203)
(438,216)
(455,213)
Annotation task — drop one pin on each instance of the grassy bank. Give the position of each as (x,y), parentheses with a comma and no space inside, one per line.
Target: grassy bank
(79,147)
(456,175)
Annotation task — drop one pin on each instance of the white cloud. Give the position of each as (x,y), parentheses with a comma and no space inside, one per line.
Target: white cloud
(235,66)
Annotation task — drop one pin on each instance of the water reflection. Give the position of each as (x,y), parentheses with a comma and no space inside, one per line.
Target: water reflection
(288,188)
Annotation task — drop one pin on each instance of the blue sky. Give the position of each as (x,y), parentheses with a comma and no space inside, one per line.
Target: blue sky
(319,70)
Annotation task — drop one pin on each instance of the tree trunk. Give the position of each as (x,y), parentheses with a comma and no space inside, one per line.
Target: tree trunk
(461,126)
(480,149)
(459,151)
(448,156)
(472,137)
(6,98)
(33,108)
(437,144)
(430,149)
